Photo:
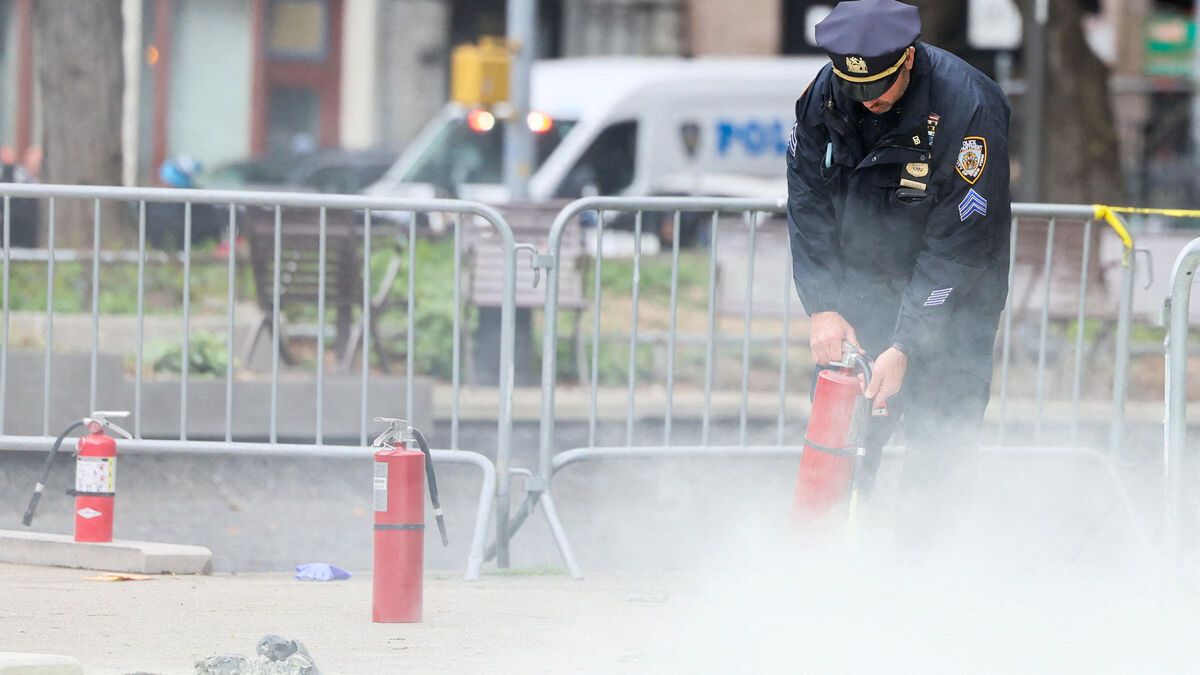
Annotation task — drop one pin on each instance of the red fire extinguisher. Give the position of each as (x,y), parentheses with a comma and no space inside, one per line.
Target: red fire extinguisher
(833,443)
(95,476)
(399,498)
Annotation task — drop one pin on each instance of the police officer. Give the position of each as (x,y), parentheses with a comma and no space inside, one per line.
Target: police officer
(899,210)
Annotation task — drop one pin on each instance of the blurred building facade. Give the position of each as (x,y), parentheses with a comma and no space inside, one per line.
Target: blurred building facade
(223,80)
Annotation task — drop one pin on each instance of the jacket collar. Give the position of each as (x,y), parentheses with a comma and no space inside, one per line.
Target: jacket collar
(914,105)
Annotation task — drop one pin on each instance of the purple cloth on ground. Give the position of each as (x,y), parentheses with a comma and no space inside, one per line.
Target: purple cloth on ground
(320,572)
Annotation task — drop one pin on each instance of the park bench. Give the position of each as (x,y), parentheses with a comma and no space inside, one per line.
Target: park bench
(484,268)
(772,265)
(299,276)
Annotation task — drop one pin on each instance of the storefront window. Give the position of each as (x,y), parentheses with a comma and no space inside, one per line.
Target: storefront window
(298,29)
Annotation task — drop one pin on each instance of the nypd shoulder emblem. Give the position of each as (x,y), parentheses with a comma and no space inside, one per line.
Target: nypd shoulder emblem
(972,158)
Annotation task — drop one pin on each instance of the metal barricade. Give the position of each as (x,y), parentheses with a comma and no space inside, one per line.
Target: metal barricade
(711,217)
(1175,313)
(362,220)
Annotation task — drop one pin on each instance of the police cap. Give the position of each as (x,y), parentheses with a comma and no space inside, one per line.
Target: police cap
(868,40)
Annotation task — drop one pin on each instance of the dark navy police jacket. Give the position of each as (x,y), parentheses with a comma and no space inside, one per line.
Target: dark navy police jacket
(900,222)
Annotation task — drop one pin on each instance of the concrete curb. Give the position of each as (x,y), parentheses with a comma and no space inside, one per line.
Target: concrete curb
(15,663)
(140,557)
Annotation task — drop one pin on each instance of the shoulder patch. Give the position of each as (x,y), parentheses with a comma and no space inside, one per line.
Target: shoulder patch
(972,204)
(972,158)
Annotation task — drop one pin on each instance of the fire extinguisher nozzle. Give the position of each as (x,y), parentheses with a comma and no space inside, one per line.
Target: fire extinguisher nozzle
(433,491)
(27,519)
(441,523)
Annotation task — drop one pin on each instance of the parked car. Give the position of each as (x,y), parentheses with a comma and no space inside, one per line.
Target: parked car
(332,171)
(23,213)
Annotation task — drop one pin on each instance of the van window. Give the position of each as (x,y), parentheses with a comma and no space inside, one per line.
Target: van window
(607,167)
(459,155)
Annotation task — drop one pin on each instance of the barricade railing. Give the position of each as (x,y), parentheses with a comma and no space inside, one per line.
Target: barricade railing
(1037,281)
(1178,303)
(717,286)
(303,249)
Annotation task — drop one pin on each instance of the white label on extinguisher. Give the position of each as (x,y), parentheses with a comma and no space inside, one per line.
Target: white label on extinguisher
(96,474)
(88,513)
(381,471)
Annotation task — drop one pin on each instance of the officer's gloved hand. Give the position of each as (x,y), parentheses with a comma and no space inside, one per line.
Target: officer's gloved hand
(827,330)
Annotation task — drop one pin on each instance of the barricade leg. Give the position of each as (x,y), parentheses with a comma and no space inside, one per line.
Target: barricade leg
(1175,427)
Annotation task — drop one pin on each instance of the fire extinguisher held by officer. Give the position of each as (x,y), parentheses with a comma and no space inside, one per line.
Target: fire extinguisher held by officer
(898,212)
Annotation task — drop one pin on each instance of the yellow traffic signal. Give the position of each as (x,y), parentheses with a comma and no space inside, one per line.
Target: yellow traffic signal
(479,73)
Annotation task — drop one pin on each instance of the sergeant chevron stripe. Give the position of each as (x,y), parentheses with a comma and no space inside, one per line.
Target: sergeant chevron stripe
(972,203)
(938,297)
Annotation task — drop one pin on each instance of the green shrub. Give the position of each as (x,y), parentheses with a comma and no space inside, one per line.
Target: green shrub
(208,355)
(433,305)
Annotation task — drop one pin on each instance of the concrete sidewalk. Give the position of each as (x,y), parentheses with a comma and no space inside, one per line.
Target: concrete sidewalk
(509,623)
(754,612)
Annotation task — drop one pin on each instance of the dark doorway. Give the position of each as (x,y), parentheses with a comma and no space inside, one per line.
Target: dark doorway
(797,17)
(297,92)
(471,19)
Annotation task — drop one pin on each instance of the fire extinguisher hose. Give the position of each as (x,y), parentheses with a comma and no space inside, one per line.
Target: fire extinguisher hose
(433,492)
(863,365)
(27,519)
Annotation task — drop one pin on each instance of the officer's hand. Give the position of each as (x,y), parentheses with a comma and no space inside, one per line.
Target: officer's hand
(826,332)
(886,377)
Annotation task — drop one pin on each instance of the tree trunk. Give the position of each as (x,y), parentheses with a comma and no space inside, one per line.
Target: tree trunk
(79,64)
(1081,152)
(1080,161)
(943,23)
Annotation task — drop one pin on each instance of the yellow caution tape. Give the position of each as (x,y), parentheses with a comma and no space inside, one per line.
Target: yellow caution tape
(1174,213)
(1108,214)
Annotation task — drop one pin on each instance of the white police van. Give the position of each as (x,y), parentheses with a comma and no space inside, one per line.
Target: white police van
(622,126)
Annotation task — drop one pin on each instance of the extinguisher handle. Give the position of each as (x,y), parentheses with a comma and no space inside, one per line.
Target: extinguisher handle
(118,430)
(853,360)
(433,493)
(392,433)
(101,417)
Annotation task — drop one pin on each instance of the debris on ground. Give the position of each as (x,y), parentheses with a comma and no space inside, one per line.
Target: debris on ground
(276,656)
(320,572)
(120,576)
(229,664)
